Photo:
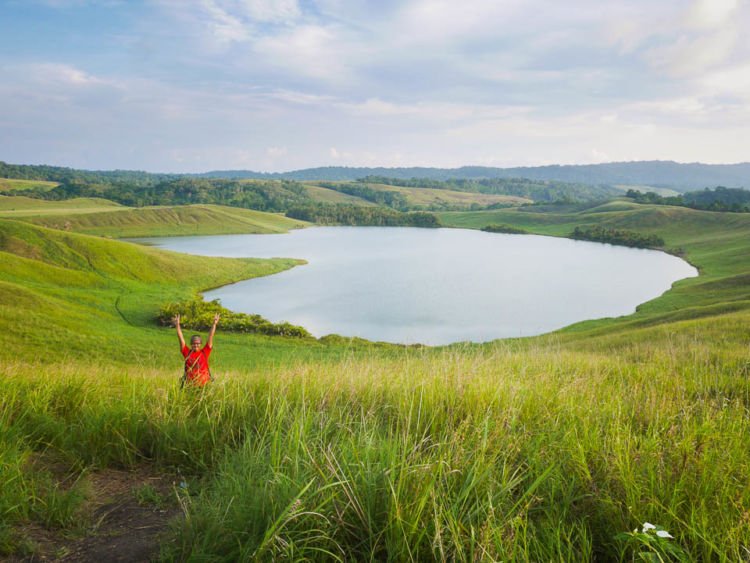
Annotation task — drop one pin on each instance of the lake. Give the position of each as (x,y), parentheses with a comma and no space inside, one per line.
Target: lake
(436,286)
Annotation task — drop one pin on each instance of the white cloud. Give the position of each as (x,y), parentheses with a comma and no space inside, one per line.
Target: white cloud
(276,152)
(270,10)
(309,50)
(710,13)
(225,27)
(731,81)
(690,56)
(63,75)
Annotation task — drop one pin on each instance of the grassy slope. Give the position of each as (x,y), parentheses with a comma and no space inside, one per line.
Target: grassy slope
(326,195)
(155,221)
(90,298)
(429,196)
(424,197)
(541,449)
(9,184)
(20,206)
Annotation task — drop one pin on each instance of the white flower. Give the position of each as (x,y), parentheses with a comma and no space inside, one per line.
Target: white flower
(648,526)
(664,534)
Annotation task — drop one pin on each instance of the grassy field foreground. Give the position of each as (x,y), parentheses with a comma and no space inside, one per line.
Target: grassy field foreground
(501,453)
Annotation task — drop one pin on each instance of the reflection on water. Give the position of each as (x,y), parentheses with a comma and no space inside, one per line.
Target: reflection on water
(436,286)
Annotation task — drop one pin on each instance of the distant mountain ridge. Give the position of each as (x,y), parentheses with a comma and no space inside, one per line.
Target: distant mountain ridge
(658,173)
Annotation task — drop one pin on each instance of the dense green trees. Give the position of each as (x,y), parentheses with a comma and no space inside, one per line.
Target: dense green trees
(505,229)
(197,314)
(271,195)
(340,214)
(598,233)
(718,199)
(538,190)
(381,197)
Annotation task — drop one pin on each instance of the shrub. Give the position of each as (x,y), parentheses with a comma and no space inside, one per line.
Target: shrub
(616,236)
(197,314)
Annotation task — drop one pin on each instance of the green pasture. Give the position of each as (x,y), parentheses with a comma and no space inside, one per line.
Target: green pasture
(327,195)
(12,184)
(19,206)
(427,197)
(106,218)
(553,448)
(417,197)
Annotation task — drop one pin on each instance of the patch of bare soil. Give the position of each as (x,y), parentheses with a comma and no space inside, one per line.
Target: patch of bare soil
(129,513)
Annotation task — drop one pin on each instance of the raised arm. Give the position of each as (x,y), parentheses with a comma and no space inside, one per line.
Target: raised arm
(179,330)
(213,331)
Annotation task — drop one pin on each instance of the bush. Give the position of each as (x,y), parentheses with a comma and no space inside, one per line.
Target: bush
(616,236)
(505,229)
(197,314)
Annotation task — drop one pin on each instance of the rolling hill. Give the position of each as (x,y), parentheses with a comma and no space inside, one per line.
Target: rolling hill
(101,217)
(661,174)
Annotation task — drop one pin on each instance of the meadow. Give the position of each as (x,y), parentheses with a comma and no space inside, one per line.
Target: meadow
(9,185)
(557,447)
(101,217)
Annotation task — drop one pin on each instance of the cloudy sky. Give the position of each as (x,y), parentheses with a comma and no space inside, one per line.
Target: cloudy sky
(274,85)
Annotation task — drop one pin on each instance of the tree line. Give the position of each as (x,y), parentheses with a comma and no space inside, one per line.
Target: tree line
(537,190)
(619,237)
(341,214)
(734,200)
(387,198)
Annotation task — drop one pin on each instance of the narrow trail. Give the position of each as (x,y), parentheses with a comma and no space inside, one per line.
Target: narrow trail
(128,515)
(119,311)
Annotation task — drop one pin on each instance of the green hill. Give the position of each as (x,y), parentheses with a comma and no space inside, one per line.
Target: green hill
(105,218)
(8,185)
(20,206)
(94,297)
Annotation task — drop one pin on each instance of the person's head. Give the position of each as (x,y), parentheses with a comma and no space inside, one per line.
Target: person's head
(195,342)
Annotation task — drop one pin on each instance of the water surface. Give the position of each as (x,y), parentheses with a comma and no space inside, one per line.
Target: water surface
(436,286)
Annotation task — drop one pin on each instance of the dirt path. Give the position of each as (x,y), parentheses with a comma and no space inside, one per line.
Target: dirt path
(130,511)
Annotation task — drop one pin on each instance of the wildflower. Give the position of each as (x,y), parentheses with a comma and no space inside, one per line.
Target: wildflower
(648,526)
(664,534)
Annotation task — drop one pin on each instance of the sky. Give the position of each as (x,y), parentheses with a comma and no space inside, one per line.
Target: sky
(276,85)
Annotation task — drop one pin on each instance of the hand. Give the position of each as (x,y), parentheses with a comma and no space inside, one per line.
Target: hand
(216,319)
(176,319)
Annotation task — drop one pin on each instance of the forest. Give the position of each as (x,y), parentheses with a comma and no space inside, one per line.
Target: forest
(735,200)
(538,190)
(620,237)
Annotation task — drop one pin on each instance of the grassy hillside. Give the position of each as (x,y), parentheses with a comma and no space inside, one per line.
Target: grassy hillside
(10,185)
(325,195)
(543,449)
(87,297)
(20,206)
(112,220)
(424,198)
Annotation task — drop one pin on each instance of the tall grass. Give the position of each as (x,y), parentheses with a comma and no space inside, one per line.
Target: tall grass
(538,454)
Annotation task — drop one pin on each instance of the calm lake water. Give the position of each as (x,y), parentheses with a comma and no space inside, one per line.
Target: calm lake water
(436,286)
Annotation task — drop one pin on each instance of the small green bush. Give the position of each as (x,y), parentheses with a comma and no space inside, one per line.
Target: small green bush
(617,236)
(197,314)
(505,229)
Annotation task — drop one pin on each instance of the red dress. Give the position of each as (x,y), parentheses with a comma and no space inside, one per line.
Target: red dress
(196,365)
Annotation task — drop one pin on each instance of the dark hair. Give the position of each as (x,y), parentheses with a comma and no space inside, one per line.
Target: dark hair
(195,337)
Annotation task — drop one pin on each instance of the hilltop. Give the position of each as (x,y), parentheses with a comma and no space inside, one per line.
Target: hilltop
(658,174)
(648,174)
